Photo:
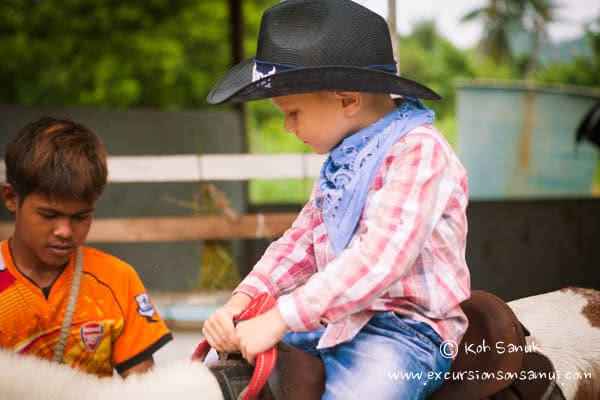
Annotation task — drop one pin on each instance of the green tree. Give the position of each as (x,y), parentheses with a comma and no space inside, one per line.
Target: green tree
(502,18)
(157,53)
(537,14)
(429,58)
(496,17)
(581,70)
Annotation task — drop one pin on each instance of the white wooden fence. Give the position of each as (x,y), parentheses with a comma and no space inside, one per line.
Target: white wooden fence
(196,168)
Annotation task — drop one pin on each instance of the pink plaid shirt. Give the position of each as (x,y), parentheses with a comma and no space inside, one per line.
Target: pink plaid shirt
(407,254)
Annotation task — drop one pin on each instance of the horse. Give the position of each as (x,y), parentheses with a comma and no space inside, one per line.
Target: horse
(563,327)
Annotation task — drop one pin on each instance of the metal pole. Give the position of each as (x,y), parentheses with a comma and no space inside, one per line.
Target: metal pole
(236,32)
(236,29)
(393,32)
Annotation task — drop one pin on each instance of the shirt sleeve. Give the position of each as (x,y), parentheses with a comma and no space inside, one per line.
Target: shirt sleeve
(392,234)
(144,330)
(289,261)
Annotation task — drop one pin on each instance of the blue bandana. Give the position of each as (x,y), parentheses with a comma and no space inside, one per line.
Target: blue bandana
(348,172)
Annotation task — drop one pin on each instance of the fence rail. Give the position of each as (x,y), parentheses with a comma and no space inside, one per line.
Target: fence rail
(192,168)
(172,229)
(209,167)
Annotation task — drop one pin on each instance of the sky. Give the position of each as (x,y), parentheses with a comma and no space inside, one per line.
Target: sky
(447,14)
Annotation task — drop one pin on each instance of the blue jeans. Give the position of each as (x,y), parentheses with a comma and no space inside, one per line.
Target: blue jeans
(392,357)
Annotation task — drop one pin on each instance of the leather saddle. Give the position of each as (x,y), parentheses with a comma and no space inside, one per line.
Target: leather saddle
(296,376)
(493,362)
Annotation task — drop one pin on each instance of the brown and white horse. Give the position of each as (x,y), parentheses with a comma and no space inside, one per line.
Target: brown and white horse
(564,325)
(29,378)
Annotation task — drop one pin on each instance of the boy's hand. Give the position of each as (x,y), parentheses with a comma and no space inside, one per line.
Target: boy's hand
(260,333)
(218,329)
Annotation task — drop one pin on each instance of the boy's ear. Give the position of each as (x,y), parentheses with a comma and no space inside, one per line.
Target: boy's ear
(351,102)
(10,196)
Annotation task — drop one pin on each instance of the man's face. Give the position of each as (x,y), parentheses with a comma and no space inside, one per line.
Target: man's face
(47,230)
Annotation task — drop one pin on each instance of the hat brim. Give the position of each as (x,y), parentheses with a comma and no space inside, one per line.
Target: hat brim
(237,85)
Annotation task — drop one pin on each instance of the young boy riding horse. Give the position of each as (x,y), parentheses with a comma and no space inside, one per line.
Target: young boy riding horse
(371,274)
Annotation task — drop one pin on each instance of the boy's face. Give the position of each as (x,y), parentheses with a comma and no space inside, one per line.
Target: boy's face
(320,120)
(47,230)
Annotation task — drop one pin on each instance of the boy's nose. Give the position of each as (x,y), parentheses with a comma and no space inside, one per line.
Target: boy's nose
(63,228)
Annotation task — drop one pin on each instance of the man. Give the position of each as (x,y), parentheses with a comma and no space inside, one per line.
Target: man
(60,300)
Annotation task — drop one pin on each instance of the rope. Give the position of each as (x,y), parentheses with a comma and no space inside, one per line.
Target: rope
(265,362)
(59,350)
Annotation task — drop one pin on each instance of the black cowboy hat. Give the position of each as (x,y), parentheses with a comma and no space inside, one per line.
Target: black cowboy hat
(318,45)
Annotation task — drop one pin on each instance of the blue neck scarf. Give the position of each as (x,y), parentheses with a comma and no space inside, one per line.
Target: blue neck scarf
(348,172)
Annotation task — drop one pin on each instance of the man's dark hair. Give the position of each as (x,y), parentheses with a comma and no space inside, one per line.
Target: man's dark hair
(57,158)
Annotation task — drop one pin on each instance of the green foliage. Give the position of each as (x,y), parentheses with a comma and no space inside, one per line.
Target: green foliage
(580,71)
(430,59)
(502,18)
(157,53)
(593,34)
(281,191)
(496,16)
(487,68)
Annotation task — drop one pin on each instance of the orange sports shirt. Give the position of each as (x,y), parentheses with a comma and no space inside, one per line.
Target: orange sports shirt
(115,324)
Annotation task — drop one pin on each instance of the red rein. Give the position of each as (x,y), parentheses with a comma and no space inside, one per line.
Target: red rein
(265,362)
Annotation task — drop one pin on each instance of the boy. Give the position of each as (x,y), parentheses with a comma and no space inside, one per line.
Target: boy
(60,300)
(371,274)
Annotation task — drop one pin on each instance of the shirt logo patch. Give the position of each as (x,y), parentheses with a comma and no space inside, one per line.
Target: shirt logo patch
(6,279)
(145,307)
(91,335)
